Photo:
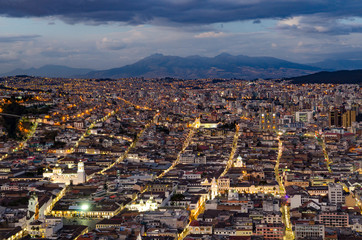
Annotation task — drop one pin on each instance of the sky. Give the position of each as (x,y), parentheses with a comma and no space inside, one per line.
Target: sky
(102,34)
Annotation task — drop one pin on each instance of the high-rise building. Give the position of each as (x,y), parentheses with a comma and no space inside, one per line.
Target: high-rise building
(335,117)
(335,193)
(340,117)
(268,120)
(348,117)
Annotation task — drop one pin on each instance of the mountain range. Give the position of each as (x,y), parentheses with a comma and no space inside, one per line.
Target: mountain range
(221,66)
(192,67)
(49,71)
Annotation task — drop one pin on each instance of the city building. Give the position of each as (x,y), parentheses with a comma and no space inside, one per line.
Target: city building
(309,231)
(334,219)
(305,117)
(58,175)
(335,193)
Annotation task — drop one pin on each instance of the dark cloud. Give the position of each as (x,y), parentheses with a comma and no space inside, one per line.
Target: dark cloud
(18,38)
(176,11)
(257,21)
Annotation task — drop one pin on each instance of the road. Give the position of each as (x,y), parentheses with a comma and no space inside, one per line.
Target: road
(202,201)
(289,234)
(195,125)
(117,161)
(133,144)
(86,132)
(134,105)
(233,151)
(321,141)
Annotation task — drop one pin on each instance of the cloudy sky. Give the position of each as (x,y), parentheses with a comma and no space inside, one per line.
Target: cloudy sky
(102,34)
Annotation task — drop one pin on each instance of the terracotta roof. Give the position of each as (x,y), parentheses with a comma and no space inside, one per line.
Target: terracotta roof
(194,223)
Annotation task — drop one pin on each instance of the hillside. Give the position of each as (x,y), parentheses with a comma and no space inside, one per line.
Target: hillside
(221,66)
(338,64)
(337,77)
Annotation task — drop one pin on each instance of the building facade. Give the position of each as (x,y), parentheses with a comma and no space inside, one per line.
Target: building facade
(335,193)
(308,231)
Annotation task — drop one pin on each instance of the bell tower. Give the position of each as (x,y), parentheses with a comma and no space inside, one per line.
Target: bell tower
(239,162)
(33,205)
(81,173)
(214,188)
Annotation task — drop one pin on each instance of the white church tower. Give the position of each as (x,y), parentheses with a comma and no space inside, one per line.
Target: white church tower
(81,173)
(214,188)
(33,207)
(239,162)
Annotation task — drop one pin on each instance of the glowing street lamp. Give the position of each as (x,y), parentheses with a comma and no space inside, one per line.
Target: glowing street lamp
(84,207)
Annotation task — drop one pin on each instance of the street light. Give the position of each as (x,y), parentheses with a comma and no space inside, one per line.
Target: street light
(84,207)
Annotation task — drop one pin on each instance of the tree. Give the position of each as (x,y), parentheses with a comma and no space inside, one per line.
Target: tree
(11,122)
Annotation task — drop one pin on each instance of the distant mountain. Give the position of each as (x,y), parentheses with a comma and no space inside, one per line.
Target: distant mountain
(221,66)
(338,77)
(49,71)
(338,64)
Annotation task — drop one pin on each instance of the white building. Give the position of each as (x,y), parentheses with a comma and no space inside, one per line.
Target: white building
(192,175)
(141,206)
(239,162)
(307,231)
(59,176)
(78,125)
(335,193)
(190,158)
(187,158)
(305,117)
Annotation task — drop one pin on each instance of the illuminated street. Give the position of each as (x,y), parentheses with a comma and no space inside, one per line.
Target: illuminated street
(289,234)
(201,206)
(194,126)
(86,132)
(133,144)
(187,159)
(233,151)
(120,159)
(322,143)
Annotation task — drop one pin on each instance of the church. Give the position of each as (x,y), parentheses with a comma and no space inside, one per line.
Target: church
(67,176)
